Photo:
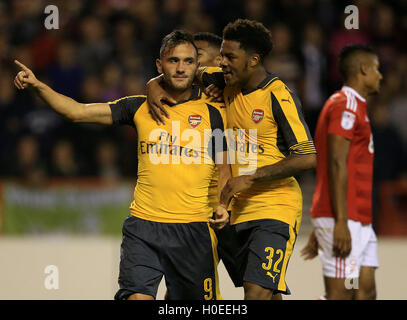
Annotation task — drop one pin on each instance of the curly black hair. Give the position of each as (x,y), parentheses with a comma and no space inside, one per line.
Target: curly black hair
(346,61)
(176,38)
(252,36)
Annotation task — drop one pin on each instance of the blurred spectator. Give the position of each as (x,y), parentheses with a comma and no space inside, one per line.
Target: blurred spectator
(195,20)
(171,15)
(4,44)
(390,152)
(388,144)
(133,84)
(27,165)
(43,123)
(91,89)
(283,60)
(112,82)
(107,161)
(44,50)
(63,162)
(385,36)
(147,16)
(398,100)
(314,65)
(10,119)
(257,10)
(65,74)
(25,22)
(95,49)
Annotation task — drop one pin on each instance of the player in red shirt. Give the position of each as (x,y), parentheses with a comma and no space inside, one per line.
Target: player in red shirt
(342,203)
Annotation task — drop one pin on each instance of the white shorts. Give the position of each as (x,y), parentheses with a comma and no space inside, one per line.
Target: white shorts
(363,253)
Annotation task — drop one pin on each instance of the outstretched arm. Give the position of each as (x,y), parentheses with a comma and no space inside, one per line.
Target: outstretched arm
(69,108)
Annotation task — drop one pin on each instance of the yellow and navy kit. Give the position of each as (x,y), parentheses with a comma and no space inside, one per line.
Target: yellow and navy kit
(176,160)
(268,125)
(213,186)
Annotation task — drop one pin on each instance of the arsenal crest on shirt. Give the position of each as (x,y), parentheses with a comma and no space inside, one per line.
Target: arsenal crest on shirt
(257,115)
(194,120)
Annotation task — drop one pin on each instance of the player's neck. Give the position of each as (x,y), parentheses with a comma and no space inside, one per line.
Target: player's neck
(178,95)
(255,79)
(358,87)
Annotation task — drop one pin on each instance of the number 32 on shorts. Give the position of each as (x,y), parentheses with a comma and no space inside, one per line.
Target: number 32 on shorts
(269,257)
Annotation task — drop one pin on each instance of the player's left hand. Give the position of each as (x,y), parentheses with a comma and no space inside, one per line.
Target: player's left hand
(214,92)
(235,185)
(221,218)
(310,251)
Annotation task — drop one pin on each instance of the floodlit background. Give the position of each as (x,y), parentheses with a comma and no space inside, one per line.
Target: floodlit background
(65,188)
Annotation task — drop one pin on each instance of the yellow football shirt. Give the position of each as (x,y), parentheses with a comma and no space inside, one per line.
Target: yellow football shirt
(266,125)
(176,160)
(213,186)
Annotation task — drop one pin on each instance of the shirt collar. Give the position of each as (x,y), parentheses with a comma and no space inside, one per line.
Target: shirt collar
(195,94)
(354,92)
(271,77)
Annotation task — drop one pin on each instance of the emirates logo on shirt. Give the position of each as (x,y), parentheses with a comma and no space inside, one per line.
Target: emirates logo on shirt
(257,115)
(194,120)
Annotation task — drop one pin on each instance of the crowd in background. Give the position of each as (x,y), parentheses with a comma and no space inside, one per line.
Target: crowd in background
(106,49)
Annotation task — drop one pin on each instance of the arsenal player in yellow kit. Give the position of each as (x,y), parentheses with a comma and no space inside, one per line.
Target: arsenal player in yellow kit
(167,232)
(271,143)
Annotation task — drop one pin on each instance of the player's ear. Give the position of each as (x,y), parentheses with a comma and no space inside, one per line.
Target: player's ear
(218,60)
(254,60)
(197,72)
(363,68)
(159,66)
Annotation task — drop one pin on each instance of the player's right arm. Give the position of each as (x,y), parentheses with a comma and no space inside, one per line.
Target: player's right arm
(338,149)
(342,122)
(78,112)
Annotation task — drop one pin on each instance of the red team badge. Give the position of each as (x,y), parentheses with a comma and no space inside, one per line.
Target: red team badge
(194,120)
(257,115)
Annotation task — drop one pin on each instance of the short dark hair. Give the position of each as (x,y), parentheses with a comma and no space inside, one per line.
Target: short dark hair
(347,56)
(211,38)
(252,36)
(176,38)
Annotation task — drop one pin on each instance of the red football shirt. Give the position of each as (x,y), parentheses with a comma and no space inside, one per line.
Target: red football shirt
(345,114)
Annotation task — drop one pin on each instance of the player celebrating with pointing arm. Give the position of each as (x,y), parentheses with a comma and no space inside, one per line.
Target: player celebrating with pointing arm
(167,232)
(342,202)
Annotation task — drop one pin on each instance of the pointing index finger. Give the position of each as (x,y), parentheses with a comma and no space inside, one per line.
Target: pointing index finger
(21,65)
